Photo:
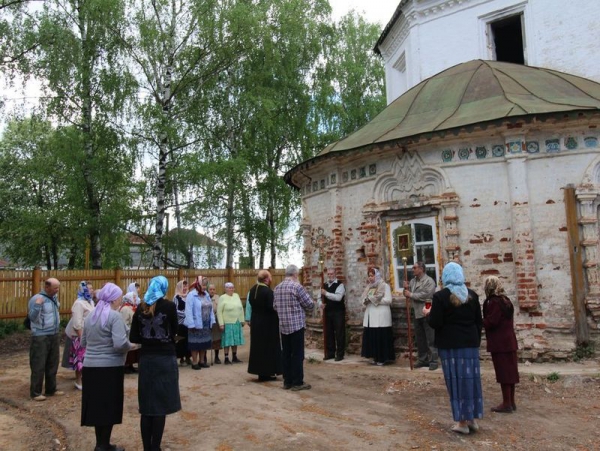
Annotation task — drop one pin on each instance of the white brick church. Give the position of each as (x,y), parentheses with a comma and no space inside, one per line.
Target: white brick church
(487,153)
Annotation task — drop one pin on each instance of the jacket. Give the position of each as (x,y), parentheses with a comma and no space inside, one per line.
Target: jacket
(378,301)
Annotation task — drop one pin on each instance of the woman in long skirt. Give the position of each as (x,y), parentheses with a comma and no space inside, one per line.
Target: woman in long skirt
(183,353)
(154,327)
(199,319)
(216,329)
(455,314)
(231,320)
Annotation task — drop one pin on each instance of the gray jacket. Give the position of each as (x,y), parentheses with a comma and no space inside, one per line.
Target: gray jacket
(45,317)
(422,290)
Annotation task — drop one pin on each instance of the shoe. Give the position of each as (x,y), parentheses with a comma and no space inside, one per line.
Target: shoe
(236,360)
(380,363)
(217,361)
(78,386)
(266,378)
(39,398)
(182,362)
(188,361)
(196,367)
(421,364)
(287,386)
(301,387)
(328,358)
(337,359)
(56,393)
(205,365)
(501,409)
(473,426)
(460,429)
(227,362)
(433,366)
(514,407)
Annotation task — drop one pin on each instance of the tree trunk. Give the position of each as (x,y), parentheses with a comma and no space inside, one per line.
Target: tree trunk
(229,222)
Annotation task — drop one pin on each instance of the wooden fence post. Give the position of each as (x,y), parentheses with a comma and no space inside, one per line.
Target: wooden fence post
(118,277)
(179,274)
(36,283)
(230,274)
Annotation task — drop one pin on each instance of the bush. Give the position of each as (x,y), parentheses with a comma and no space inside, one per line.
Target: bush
(8,327)
(553,377)
(583,351)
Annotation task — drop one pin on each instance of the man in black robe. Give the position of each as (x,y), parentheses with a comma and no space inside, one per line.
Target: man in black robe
(265,346)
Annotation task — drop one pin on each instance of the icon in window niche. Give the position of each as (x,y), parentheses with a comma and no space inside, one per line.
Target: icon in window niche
(403,242)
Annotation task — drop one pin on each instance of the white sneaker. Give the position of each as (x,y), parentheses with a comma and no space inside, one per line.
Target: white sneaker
(39,398)
(78,386)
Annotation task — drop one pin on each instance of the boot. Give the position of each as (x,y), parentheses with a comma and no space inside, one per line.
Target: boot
(506,406)
(227,362)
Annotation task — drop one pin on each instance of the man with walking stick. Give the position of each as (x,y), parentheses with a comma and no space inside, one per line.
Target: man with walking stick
(420,291)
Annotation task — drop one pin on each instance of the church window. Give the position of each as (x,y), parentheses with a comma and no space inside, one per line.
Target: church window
(416,239)
(507,39)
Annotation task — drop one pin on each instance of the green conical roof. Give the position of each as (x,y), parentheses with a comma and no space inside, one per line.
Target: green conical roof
(471,93)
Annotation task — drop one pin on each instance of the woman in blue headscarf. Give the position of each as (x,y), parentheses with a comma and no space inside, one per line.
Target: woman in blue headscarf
(74,353)
(106,343)
(455,315)
(154,326)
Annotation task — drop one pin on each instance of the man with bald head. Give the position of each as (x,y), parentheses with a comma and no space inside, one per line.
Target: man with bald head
(265,348)
(44,351)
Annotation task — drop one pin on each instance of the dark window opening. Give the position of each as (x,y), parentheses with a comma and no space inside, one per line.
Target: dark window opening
(508,39)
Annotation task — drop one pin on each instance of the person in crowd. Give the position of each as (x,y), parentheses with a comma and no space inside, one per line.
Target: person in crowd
(155,327)
(455,315)
(334,310)
(44,350)
(106,343)
(183,353)
(216,329)
(74,353)
(420,290)
(230,314)
(291,300)
(134,288)
(265,347)
(498,313)
(127,310)
(199,319)
(378,339)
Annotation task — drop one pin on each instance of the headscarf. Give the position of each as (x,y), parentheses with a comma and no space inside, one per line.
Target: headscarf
(454,279)
(229,285)
(493,287)
(106,296)
(84,292)
(129,299)
(377,277)
(156,290)
(131,288)
(197,285)
(179,289)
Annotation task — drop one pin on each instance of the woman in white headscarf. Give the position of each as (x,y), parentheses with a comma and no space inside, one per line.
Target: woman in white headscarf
(134,289)
(378,337)
(154,327)
(127,310)
(106,343)
(455,315)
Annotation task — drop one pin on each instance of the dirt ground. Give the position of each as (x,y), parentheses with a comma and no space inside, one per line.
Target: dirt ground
(352,406)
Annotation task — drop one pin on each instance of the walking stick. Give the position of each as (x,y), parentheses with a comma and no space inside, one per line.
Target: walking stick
(409,328)
(323,301)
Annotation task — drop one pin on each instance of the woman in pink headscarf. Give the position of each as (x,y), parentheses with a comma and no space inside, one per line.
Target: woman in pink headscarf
(106,343)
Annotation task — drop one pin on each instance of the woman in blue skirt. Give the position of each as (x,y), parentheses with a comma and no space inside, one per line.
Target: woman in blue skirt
(230,314)
(455,314)
(199,319)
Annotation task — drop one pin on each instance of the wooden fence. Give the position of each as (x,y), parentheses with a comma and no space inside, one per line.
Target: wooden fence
(17,287)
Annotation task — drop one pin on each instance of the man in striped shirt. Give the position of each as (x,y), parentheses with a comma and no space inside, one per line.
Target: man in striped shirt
(291,301)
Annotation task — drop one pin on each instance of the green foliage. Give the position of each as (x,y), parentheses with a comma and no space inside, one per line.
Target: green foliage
(584,351)
(553,377)
(8,327)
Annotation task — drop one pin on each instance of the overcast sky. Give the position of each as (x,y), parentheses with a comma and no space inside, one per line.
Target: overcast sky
(373,10)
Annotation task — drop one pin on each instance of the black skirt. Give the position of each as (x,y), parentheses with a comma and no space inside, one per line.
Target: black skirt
(378,344)
(158,385)
(102,396)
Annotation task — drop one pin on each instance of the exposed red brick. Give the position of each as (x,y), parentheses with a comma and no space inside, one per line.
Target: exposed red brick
(550,201)
(504,239)
(562,229)
(540,326)
(467,253)
(475,205)
(489,272)
(476,241)
(491,255)
(534,314)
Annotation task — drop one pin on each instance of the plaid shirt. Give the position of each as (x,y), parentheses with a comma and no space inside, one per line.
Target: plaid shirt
(291,299)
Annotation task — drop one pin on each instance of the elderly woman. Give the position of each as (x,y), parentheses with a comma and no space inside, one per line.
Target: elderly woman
(216,329)
(378,339)
(74,353)
(183,353)
(199,319)
(134,289)
(455,315)
(231,320)
(154,327)
(498,314)
(105,339)
(127,311)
